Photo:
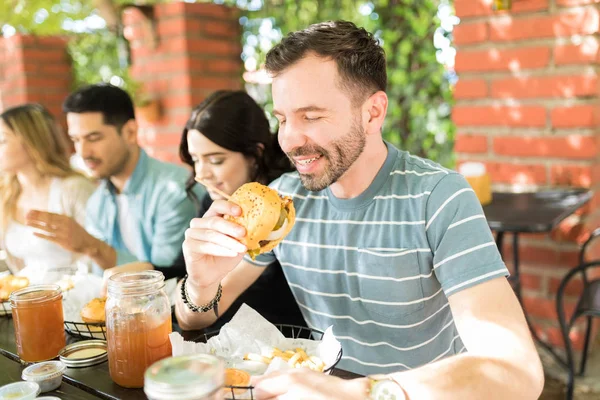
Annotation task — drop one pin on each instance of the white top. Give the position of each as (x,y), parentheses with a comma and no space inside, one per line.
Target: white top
(127,226)
(44,261)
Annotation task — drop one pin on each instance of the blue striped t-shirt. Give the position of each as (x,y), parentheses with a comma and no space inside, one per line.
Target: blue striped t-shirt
(379,267)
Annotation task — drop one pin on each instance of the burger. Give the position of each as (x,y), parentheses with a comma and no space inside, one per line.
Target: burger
(267,216)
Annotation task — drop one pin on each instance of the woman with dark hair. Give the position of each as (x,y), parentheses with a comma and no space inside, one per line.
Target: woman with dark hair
(228,142)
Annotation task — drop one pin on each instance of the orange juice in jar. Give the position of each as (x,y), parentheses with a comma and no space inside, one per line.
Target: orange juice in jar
(476,174)
(138,323)
(39,322)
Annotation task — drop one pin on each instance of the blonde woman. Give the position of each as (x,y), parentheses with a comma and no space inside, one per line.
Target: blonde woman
(35,175)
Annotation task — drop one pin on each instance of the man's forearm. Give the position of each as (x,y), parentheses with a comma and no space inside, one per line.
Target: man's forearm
(100,252)
(466,377)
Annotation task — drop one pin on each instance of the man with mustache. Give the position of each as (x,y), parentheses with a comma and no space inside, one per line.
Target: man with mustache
(391,249)
(141,209)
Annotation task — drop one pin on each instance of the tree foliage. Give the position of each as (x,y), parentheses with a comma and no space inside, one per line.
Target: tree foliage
(419,91)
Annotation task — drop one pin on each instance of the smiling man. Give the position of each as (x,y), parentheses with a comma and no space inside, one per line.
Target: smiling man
(391,249)
(141,209)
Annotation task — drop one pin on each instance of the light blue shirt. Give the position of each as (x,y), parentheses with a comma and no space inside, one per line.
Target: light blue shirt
(159,210)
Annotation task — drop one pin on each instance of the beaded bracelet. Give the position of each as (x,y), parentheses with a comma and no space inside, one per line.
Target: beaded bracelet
(211,305)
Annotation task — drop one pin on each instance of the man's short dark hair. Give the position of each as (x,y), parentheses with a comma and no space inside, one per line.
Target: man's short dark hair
(359,57)
(113,102)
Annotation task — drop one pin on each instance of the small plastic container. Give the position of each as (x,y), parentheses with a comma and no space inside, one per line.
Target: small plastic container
(46,374)
(47,398)
(20,391)
(191,377)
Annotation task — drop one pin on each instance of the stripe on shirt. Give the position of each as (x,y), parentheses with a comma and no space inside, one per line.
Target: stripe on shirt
(448,200)
(363,300)
(392,326)
(356,274)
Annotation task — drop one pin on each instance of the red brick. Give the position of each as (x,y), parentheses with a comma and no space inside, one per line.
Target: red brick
(214,46)
(212,10)
(177,101)
(547,86)
(467,33)
(470,89)
(553,335)
(45,56)
(573,146)
(545,308)
(571,3)
(575,175)
(227,29)
(583,53)
(503,172)
(502,59)
(584,116)
(524,116)
(531,281)
(574,287)
(521,6)
(56,69)
(169,9)
(478,8)
(162,140)
(466,143)
(578,22)
(538,256)
(172,27)
(571,230)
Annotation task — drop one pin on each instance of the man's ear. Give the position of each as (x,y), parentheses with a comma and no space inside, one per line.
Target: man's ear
(130,131)
(374,110)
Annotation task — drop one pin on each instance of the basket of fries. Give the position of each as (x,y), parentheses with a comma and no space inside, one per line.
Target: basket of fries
(249,345)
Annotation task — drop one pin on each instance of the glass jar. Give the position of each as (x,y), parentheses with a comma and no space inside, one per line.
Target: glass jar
(138,324)
(39,322)
(193,377)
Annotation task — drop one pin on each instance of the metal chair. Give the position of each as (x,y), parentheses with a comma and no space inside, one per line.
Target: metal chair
(588,306)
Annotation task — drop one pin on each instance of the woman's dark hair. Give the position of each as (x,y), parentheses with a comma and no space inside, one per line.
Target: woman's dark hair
(233,120)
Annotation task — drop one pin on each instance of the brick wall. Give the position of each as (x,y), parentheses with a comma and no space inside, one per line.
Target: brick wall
(34,69)
(195,51)
(527,105)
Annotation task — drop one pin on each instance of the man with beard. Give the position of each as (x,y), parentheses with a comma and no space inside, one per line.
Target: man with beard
(391,249)
(141,209)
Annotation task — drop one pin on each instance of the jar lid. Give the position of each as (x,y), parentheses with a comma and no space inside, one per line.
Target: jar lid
(43,371)
(184,377)
(20,390)
(84,354)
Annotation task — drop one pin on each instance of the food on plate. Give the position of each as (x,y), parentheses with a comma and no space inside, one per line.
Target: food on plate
(236,377)
(66,283)
(296,358)
(11,283)
(93,312)
(267,216)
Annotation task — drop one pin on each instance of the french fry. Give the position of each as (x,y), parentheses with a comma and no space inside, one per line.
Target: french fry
(257,357)
(319,364)
(303,355)
(295,358)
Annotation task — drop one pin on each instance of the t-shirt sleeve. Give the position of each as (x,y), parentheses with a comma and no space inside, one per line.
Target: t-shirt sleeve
(464,250)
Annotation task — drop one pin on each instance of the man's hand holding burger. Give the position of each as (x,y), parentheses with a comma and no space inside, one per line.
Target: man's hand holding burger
(253,221)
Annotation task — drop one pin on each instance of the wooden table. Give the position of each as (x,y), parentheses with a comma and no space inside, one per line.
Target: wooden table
(93,382)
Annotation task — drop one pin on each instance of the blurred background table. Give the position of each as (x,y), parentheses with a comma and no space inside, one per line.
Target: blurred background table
(531,212)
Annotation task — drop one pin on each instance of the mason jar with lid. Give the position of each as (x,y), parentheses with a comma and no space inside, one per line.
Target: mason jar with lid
(138,324)
(39,322)
(192,377)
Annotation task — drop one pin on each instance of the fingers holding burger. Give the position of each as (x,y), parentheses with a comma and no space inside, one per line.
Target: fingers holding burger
(267,216)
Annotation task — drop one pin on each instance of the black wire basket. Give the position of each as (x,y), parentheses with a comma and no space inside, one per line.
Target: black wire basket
(5,309)
(289,331)
(86,330)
